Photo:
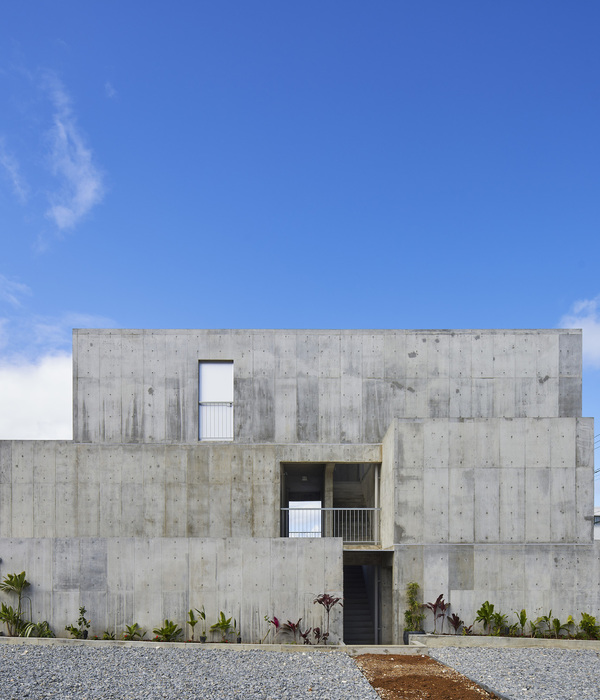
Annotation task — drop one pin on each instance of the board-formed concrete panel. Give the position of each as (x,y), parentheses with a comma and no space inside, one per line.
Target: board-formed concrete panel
(147,580)
(559,577)
(495,480)
(318,386)
(152,490)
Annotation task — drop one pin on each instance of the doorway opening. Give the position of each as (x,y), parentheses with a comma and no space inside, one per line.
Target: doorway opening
(367,597)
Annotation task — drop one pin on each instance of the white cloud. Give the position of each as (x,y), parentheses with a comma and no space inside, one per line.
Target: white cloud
(109,89)
(26,336)
(70,161)
(36,399)
(585,314)
(52,333)
(10,291)
(12,169)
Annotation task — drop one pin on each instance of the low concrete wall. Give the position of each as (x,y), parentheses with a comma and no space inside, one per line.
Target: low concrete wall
(146,580)
(564,578)
(431,641)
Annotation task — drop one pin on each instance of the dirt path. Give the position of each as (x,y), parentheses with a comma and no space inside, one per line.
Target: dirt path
(415,677)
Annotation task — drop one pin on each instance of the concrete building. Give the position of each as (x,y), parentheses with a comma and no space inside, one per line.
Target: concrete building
(251,470)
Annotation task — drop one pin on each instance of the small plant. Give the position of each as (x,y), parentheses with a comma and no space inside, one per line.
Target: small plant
(485,614)
(202,616)
(413,615)
(320,637)
(13,618)
(455,622)
(108,635)
(133,632)
(544,624)
(236,631)
(306,635)
(38,629)
(169,632)
(467,630)
(522,618)
(589,627)
(328,602)
(222,625)
(512,630)
(293,627)
(276,624)
(81,630)
(439,610)
(535,628)
(192,621)
(557,627)
(498,624)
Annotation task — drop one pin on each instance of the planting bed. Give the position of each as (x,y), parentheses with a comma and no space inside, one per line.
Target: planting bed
(414,677)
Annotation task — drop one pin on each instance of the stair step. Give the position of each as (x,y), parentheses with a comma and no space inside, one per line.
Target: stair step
(358,622)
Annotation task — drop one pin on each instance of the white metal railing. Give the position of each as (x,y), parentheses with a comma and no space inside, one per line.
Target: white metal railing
(215,420)
(354,525)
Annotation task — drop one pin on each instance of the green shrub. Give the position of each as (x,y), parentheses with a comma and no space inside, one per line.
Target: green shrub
(485,614)
(169,632)
(413,615)
(80,631)
(589,627)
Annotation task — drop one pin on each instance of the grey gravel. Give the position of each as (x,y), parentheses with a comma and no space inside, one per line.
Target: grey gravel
(520,674)
(151,673)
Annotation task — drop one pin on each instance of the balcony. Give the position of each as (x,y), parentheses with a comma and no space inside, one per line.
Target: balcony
(356,526)
(216,420)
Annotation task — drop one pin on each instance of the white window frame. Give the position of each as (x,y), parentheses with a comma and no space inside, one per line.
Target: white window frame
(215,400)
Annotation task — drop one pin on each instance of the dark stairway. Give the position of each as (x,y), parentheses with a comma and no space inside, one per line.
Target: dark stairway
(358,620)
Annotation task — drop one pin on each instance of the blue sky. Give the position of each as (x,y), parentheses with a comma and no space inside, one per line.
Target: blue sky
(386,164)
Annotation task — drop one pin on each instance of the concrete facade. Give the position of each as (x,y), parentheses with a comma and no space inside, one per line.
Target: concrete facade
(470,443)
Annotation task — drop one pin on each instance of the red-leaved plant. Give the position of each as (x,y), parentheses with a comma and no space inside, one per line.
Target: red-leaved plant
(439,610)
(293,627)
(328,602)
(272,621)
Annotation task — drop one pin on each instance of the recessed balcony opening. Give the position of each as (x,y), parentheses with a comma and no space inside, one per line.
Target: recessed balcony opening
(331,500)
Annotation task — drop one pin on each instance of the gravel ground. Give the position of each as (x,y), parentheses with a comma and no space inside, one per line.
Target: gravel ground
(151,673)
(521,674)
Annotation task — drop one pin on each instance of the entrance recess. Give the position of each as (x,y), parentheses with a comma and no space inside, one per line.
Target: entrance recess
(368,610)
(361,604)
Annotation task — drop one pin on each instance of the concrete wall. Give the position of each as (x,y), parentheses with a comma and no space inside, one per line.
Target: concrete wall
(564,578)
(61,489)
(486,474)
(489,481)
(147,580)
(316,386)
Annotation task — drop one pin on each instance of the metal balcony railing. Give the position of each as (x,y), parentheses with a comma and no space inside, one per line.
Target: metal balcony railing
(215,420)
(353,525)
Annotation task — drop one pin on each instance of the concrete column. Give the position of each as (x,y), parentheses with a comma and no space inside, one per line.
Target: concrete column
(376,502)
(328,500)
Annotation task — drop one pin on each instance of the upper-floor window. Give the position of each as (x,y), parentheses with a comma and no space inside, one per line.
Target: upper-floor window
(215,395)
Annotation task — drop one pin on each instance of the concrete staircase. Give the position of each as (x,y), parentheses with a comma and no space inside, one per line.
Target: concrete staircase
(358,621)
(348,494)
